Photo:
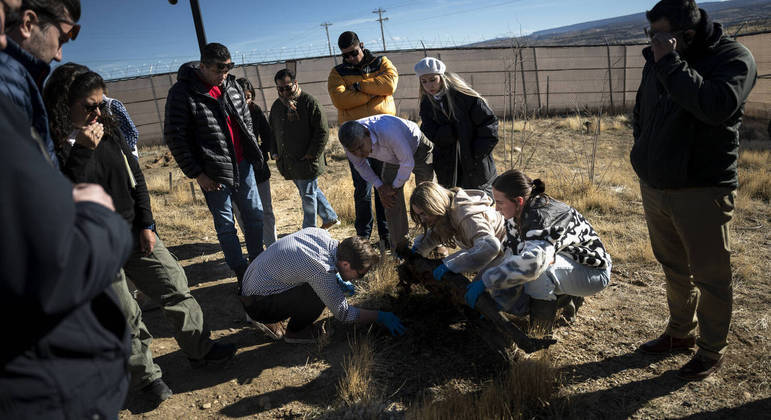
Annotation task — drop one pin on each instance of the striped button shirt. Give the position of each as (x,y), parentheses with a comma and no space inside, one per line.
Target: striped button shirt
(307,256)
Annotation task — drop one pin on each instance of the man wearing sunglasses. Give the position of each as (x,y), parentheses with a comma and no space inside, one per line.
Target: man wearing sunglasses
(36,34)
(687,117)
(362,86)
(208,129)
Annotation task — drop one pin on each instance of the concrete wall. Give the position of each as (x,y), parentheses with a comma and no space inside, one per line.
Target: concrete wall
(533,79)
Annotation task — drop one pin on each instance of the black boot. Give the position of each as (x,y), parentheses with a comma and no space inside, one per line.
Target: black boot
(569,305)
(542,314)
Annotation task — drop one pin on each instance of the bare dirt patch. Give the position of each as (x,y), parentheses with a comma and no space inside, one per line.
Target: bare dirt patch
(441,359)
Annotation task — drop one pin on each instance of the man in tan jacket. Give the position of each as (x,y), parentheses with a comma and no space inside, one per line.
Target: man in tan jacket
(362,86)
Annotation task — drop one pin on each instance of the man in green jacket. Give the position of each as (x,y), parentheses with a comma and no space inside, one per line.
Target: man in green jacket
(686,141)
(300,133)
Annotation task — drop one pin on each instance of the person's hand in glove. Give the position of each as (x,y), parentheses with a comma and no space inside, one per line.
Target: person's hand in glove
(473,290)
(390,321)
(346,286)
(440,271)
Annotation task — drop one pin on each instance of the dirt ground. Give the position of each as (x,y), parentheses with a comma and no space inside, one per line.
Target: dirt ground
(600,373)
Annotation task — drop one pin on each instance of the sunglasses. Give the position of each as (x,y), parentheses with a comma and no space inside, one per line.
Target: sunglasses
(351,54)
(650,33)
(222,67)
(93,107)
(64,36)
(287,88)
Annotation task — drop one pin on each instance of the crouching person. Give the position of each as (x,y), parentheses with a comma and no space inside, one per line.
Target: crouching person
(460,218)
(550,249)
(302,273)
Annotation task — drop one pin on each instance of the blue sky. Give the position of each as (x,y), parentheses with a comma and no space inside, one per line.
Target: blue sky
(122,38)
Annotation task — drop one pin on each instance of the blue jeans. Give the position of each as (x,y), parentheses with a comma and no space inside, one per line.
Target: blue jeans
(247,199)
(314,201)
(362,196)
(567,277)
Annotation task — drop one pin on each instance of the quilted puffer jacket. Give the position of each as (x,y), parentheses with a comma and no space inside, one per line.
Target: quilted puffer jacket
(196,131)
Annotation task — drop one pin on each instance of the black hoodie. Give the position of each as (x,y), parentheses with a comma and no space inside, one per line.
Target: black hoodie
(688,112)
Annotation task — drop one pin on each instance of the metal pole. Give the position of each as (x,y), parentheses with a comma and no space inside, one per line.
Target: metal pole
(199,31)
(610,79)
(326,26)
(381,19)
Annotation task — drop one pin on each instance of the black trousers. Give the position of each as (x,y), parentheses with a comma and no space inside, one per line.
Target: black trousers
(300,304)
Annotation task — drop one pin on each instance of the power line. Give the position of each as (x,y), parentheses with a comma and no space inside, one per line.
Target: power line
(381,19)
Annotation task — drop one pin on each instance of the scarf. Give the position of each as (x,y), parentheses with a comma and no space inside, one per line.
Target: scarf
(291,104)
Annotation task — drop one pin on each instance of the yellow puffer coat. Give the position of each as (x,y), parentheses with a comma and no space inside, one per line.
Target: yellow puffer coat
(377,83)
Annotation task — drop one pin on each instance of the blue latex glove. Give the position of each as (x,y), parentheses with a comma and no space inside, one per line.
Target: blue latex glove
(440,271)
(390,321)
(473,290)
(346,286)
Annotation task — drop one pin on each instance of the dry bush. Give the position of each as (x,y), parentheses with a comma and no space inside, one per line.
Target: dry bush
(526,387)
(754,174)
(357,386)
(339,192)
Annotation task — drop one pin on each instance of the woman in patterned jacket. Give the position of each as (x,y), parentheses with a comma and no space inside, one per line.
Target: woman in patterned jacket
(551,250)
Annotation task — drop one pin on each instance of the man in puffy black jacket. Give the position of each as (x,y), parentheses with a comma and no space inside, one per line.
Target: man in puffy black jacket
(67,342)
(686,137)
(208,129)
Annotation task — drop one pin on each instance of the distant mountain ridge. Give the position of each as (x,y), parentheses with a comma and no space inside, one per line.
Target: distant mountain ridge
(750,15)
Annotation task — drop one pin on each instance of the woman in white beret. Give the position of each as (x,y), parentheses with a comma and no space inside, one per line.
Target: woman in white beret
(461,125)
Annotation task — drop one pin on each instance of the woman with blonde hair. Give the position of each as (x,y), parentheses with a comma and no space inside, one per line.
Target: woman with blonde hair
(460,218)
(461,125)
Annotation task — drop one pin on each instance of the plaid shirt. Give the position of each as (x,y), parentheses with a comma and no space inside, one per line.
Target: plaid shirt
(307,256)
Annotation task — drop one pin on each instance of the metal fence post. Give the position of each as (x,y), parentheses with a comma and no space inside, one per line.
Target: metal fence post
(537,82)
(610,79)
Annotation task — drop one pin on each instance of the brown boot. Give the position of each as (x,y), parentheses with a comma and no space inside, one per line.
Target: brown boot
(699,367)
(668,344)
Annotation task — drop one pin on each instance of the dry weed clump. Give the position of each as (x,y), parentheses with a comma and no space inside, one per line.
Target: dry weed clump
(588,124)
(339,192)
(526,387)
(754,174)
(357,385)
(584,196)
(380,283)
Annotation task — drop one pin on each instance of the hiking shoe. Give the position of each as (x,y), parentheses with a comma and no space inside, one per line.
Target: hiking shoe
(156,390)
(274,331)
(699,367)
(311,334)
(668,344)
(330,225)
(220,353)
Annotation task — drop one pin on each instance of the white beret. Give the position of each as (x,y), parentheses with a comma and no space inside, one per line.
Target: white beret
(429,65)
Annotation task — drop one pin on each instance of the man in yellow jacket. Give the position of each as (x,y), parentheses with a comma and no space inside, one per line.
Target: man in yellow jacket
(362,86)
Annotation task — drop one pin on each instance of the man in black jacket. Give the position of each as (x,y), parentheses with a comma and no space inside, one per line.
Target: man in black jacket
(686,137)
(209,131)
(67,346)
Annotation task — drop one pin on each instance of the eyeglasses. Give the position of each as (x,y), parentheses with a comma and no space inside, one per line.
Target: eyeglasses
(287,88)
(222,67)
(63,36)
(650,33)
(93,107)
(351,54)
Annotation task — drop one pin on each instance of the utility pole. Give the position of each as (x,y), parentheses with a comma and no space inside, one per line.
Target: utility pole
(326,26)
(381,19)
(197,21)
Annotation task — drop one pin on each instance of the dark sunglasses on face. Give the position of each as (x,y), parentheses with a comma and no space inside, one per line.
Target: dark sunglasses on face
(64,36)
(93,107)
(223,67)
(650,33)
(287,88)
(351,54)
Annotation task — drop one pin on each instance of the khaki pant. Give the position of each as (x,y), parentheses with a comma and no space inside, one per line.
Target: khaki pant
(396,216)
(161,278)
(689,232)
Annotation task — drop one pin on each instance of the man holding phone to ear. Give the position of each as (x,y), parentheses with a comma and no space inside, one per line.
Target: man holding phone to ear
(687,117)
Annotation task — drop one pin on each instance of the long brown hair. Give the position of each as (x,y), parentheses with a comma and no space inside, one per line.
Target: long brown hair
(434,200)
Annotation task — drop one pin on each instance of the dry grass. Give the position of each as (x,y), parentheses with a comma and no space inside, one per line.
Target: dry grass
(526,387)
(588,125)
(754,174)
(356,386)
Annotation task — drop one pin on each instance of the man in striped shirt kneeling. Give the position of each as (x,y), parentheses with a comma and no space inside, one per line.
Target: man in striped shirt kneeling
(299,275)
